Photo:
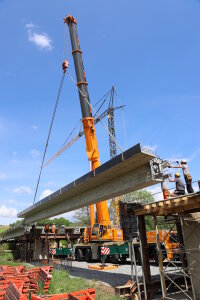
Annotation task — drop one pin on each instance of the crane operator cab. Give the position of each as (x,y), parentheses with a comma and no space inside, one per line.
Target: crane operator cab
(102,232)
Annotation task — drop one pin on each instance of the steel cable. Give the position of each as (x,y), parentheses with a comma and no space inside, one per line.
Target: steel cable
(49,133)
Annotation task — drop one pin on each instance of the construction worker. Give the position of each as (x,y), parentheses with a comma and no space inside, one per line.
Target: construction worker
(188,178)
(180,186)
(53,228)
(46,227)
(165,189)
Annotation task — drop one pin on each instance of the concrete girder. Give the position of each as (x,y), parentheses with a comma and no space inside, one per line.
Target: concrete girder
(125,173)
(12,234)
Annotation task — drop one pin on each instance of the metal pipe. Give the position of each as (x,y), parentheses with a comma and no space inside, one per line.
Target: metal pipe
(136,272)
(131,252)
(160,259)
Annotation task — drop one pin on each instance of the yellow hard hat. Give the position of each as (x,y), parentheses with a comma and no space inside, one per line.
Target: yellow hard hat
(177,174)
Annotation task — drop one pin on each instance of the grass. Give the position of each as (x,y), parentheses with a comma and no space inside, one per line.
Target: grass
(61,282)
(3,228)
(7,259)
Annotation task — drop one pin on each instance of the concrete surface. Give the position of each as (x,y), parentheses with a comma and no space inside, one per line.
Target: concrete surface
(125,173)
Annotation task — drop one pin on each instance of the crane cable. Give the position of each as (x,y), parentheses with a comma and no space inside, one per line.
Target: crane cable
(50,129)
(95,112)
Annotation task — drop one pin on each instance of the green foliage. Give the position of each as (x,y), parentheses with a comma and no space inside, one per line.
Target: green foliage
(82,216)
(6,259)
(141,196)
(56,221)
(162,225)
(18,223)
(149,223)
(144,197)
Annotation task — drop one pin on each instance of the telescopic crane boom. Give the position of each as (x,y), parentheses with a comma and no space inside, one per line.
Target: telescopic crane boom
(87,118)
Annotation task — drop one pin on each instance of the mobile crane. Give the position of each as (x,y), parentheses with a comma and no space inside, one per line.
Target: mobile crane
(103,230)
(102,233)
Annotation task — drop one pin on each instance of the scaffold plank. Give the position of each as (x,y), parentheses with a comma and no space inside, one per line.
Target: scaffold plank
(187,203)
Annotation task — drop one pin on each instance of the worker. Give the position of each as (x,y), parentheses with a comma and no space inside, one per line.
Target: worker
(180,186)
(53,228)
(100,231)
(188,178)
(165,189)
(46,227)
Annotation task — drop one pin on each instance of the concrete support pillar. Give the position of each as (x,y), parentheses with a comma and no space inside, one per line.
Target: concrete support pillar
(40,250)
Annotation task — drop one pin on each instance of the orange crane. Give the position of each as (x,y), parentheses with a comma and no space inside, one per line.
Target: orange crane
(109,112)
(103,229)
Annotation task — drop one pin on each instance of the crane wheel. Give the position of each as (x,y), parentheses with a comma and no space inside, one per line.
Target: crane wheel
(79,255)
(88,255)
(114,259)
(123,259)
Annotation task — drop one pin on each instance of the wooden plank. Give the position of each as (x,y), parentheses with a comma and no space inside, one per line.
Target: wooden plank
(170,206)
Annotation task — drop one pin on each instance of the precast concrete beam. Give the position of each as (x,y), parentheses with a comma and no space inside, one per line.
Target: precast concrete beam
(12,234)
(129,171)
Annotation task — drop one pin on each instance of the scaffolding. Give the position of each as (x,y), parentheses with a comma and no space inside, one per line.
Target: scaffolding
(179,265)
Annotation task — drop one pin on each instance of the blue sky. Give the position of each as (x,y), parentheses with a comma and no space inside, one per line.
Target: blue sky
(148,49)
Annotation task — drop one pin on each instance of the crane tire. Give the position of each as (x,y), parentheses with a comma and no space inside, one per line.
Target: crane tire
(79,255)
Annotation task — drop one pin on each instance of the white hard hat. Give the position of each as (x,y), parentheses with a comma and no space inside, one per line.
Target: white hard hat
(184,161)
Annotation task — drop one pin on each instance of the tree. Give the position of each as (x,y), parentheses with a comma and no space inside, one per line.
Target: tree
(145,197)
(82,216)
(56,221)
(18,223)
(142,197)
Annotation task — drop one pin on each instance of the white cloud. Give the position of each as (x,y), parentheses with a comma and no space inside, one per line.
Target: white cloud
(34,127)
(30,25)
(8,212)
(23,190)
(45,193)
(41,40)
(34,153)
(3,176)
